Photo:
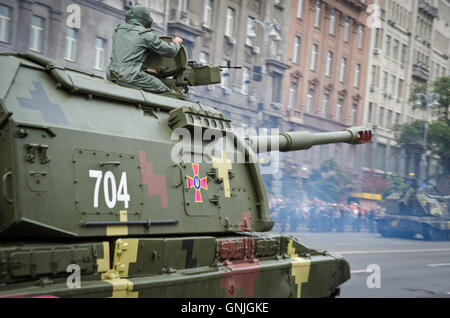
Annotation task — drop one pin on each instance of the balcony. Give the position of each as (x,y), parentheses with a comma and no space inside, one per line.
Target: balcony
(420,72)
(295,116)
(184,24)
(429,10)
(358,4)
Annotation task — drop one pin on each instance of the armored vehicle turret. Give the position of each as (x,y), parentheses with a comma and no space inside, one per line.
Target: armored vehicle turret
(415,212)
(103,179)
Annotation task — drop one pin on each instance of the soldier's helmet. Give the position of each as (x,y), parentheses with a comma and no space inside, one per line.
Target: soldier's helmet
(139,14)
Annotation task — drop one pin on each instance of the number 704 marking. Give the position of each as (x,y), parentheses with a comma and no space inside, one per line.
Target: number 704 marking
(109,182)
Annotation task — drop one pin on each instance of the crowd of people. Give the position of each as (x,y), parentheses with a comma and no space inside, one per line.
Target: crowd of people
(292,215)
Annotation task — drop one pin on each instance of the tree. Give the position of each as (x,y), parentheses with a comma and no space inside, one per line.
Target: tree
(411,136)
(441,87)
(329,183)
(439,137)
(410,139)
(397,184)
(375,183)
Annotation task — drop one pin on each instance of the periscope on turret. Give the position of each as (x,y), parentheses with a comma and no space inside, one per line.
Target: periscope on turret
(88,163)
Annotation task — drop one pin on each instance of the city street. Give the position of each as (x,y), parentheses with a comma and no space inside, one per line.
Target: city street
(408,268)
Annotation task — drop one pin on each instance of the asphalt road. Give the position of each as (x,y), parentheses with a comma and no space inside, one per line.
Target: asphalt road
(407,268)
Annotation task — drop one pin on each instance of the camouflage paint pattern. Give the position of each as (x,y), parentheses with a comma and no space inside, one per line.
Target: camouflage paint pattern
(84,158)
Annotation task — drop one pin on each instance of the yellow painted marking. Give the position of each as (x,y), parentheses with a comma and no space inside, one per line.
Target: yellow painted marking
(300,268)
(368,196)
(122,288)
(118,230)
(103,264)
(223,165)
(125,254)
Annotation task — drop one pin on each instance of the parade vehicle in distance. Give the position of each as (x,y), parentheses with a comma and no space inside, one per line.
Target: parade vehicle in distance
(87,183)
(415,212)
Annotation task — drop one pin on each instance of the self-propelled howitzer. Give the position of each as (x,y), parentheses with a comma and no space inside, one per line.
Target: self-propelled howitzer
(88,181)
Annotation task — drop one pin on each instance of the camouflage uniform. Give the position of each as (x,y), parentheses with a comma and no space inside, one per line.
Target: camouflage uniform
(131,44)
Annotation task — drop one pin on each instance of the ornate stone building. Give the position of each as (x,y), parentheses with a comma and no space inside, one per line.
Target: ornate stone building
(411,48)
(324,89)
(248,33)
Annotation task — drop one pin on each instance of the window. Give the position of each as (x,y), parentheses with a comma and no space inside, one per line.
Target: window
(381,117)
(387,46)
(317,17)
(397,119)
(377,38)
(436,74)
(389,119)
(391,87)
(300,9)
(182,5)
(37,34)
(229,22)
(329,63)
(245,80)
(354,111)
(71,45)
(332,29)
(5,23)
(207,13)
(400,88)
(292,95)
(296,49)
(100,50)
(315,50)
(309,100)
(370,114)
(325,101)
(343,67)
(274,47)
(225,75)
(356,79)
(276,88)
(204,58)
(404,53)
(384,81)
(250,31)
(340,104)
(395,49)
(373,75)
(360,36)
(346,29)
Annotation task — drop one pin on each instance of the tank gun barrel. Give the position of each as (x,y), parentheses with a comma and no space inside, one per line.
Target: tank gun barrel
(302,140)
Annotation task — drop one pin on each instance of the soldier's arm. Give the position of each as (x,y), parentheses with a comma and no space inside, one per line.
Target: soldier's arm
(153,42)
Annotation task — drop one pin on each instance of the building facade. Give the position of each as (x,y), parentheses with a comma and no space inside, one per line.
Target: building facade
(324,89)
(68,30)
(411,48)
(248,33)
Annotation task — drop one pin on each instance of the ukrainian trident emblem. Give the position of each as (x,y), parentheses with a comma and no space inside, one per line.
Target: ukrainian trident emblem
(197,183)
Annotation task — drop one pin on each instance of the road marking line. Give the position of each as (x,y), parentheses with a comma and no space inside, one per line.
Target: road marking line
(438,265)
(359,271)
(394,251)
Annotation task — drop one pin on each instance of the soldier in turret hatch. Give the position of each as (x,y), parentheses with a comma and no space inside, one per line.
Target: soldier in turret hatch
(132,42)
